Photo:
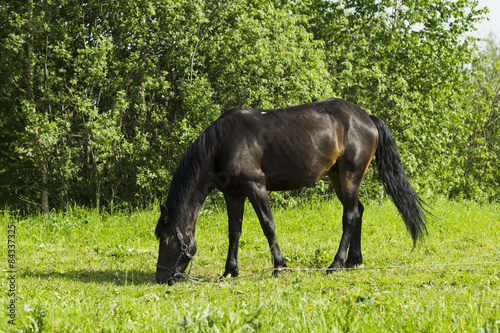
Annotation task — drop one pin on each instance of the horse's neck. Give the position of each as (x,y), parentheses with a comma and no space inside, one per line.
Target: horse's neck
(189,201)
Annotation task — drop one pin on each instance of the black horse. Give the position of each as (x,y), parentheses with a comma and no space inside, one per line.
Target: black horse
(248,152)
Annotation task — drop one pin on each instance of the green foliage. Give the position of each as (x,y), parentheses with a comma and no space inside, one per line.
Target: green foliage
(99,100)
(405,62)
(483,149)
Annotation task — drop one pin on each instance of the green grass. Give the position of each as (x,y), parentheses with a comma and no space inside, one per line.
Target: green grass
(85,271)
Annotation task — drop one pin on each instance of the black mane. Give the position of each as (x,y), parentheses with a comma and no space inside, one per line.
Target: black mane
(198,156)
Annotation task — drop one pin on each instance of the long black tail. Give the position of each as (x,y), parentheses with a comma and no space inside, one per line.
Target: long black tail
(396,183)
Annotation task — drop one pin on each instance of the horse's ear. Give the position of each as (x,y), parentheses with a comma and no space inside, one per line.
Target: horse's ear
(164,213)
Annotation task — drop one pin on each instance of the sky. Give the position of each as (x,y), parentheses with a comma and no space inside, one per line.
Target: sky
(493,24)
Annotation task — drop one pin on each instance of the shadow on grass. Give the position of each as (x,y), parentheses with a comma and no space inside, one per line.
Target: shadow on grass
(109,276)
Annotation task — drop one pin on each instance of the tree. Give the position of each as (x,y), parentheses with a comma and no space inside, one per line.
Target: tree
(102,99)
(483,148)
(406,61)
(99,100)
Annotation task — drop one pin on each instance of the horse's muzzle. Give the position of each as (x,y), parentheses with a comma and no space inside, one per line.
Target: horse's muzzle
(170,281)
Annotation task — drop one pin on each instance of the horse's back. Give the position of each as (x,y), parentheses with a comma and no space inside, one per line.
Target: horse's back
(295,146)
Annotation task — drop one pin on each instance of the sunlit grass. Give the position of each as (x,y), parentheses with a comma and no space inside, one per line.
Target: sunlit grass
(90,271)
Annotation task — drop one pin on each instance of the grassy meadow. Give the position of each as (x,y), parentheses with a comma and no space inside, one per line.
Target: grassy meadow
(85,271)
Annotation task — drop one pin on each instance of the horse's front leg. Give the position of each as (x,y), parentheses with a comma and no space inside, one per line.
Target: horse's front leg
(257,194)
(235,207)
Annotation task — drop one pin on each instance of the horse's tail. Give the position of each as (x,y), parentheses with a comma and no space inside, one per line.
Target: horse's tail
(396,183)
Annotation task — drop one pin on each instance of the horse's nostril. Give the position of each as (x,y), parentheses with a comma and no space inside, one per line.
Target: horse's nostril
(161,281)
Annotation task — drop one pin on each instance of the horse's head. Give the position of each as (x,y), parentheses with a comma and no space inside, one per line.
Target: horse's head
(176,249)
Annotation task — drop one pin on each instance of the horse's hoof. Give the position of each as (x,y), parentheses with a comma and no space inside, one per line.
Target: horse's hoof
(227,273)
(278,270)
(353,261)
(335,267)
(352,264)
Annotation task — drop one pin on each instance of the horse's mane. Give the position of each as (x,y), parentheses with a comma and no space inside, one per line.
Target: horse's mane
(198,156)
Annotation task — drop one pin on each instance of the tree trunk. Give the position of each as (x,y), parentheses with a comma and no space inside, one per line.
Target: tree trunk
(31,92)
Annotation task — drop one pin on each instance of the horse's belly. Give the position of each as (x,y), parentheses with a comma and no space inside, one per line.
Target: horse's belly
(296,170)
(284,183)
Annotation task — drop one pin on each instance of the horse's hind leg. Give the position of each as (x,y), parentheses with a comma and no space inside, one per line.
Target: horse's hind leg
(346,183)
(235,207)
(354,257)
